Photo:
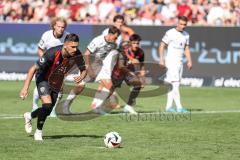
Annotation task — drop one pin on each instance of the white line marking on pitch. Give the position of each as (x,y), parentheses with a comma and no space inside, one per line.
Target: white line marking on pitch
(10,116)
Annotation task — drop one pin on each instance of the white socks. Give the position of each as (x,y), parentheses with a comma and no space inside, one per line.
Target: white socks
(174,94)
(71,96)
(169,99)
(100,97)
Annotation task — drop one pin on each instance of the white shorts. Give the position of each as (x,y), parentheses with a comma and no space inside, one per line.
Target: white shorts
(108,64)
(174,73)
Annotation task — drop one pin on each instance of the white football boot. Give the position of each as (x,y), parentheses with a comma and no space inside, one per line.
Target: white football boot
(38,135)
(28,122)
(130,110)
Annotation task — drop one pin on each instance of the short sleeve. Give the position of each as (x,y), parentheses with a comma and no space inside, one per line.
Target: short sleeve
(105,32)
(92,47)
(166,38)
(42,42)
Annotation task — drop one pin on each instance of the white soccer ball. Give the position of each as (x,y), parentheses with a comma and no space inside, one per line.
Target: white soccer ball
(112,140)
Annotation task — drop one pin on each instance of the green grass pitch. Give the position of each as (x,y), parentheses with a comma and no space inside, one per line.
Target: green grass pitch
(199,135)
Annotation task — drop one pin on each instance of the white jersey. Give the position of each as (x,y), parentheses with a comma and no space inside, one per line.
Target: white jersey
(176,41)
(100,47)
(107,53)
(119,39)
(48,40)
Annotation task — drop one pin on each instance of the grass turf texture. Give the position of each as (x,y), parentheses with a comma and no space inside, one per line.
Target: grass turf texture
(199,136)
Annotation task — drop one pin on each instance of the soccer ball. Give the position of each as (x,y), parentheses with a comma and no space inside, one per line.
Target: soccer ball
(112,140)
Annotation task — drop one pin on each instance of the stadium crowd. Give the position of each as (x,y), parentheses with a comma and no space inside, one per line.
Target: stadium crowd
(136,12)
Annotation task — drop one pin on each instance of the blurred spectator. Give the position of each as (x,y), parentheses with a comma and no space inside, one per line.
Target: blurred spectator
(52,9)
(105,7)
(39,11)
(139,12)
(184,9)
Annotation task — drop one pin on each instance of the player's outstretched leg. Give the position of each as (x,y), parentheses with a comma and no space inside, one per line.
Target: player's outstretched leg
(71,96)
(100,97)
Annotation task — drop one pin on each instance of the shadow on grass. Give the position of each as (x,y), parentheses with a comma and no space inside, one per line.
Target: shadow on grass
(71,136)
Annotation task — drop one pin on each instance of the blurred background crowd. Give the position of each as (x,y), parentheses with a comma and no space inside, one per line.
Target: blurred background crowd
(136,12)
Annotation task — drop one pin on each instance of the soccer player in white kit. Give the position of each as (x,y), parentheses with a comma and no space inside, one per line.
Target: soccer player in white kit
(104,49)
(177,42)
(49,39)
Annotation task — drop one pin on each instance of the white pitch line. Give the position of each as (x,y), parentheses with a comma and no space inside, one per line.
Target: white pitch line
(10,116)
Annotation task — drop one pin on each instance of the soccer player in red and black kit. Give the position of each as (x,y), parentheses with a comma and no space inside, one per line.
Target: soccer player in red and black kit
(50,70)
(130,68)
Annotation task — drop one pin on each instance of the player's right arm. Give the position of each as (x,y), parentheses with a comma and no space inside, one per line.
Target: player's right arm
(162,45)
(91,48)
(24,92)
(161,53)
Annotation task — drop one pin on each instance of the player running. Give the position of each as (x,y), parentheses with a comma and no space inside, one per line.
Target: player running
(50,71)
(49,39)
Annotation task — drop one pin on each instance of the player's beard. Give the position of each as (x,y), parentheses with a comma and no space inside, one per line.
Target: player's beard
(65,54)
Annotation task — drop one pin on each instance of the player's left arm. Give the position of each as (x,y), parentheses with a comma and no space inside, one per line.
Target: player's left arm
(188,56)
(127,29)
(24,92)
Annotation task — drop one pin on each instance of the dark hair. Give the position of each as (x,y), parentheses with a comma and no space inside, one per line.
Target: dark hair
(135,37)
(115,18)
(72,37)
(57,19)
(183,18)
(113,30)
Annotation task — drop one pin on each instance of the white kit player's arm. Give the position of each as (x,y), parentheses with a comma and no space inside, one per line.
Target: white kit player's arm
(88,65)
(163,44)
(91,48)
(188,56)
(161,53)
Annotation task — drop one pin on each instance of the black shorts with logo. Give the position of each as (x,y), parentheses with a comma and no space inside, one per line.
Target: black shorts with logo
(44,90)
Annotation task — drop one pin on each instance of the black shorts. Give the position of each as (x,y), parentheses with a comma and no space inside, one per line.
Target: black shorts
(44,90)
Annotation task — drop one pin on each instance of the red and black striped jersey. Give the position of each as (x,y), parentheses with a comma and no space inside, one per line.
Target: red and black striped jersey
(130,54)
(126,54)
(53,61)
